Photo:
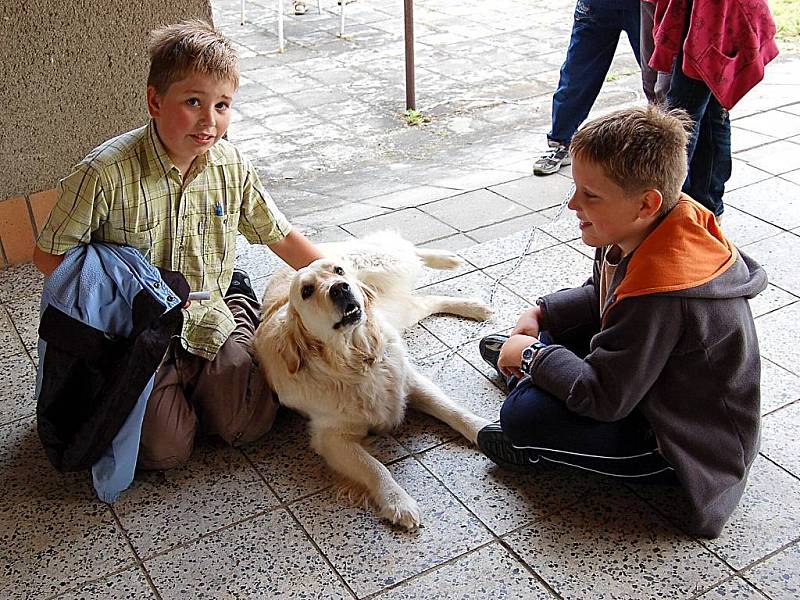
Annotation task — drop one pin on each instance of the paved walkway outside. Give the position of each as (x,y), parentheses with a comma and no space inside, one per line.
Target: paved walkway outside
(324,123)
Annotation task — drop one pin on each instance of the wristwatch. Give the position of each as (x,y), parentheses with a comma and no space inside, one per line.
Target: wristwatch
(529,355)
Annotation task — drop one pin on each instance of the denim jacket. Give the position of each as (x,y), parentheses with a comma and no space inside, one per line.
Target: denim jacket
(107,316)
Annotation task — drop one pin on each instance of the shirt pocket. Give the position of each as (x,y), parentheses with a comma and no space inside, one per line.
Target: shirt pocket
(219,239)
(142,238)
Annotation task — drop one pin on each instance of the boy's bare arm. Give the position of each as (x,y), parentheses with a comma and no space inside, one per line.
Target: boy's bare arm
(46,262)
(296,250)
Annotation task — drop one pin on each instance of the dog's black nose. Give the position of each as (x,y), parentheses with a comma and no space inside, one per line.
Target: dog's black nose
(339,290)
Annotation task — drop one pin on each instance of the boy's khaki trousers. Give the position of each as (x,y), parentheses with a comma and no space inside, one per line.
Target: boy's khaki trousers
(226,396)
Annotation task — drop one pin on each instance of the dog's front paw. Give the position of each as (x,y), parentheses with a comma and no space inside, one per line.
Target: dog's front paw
(401,509)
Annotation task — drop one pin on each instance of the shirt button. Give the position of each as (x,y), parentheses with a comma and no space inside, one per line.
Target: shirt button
(170,298)
(157,284)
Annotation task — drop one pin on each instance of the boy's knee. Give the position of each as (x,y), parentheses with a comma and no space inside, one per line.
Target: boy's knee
(164,449)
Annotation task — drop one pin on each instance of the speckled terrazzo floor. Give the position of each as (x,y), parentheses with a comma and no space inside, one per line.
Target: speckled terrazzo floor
(323,124)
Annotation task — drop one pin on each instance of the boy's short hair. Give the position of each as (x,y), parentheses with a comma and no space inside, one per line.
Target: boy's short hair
(188,47)
(639,149)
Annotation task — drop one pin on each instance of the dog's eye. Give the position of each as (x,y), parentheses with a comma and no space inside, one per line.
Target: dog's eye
(338,270)
(307,291)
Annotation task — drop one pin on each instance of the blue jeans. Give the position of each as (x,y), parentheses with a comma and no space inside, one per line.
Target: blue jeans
(595,34)
(531,418)
(709,149)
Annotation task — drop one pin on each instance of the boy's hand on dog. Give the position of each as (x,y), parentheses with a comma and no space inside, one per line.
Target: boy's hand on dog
(511,355)
(528,322)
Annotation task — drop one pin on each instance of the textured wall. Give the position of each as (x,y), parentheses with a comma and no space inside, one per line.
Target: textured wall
(73,75)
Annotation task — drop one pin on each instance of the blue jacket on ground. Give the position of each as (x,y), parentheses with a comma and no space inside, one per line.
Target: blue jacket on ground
(107,317)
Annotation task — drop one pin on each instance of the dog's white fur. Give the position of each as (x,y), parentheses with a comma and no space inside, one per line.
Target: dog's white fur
(350,378)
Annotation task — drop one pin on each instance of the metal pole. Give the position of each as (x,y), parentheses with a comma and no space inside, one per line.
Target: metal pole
(411,102)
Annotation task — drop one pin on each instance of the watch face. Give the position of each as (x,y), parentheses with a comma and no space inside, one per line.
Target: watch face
(527,354)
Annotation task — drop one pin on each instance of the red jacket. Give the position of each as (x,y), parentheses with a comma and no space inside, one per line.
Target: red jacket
(727,46)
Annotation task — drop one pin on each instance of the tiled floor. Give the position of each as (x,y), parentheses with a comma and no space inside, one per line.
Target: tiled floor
(323,122)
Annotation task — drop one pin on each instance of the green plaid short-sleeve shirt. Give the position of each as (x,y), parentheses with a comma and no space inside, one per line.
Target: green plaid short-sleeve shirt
(128,191)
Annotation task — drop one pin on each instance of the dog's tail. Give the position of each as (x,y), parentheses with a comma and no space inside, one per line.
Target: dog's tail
(438,259)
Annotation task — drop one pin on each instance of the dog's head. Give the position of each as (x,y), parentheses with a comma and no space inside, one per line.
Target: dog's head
(328,300)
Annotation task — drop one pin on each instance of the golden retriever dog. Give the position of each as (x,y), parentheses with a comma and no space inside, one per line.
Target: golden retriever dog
(330,347)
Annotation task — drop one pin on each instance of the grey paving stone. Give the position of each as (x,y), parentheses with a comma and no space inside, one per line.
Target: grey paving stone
(455,330)
(598,537)
(779,576)
(489,572)
(779,387)
(454,243)
(774,123)
(743,174)
(510,247)
(772,298)
(743,229)
(421,342)
(24,312)
(760,198)
(776,158)
(265,556)
(518,224)
(780,438)
(778,255)
(216,488)
(369,554)
(411,223)
(544,272)
(414,196)
(793,176)
(744,139)
(537,193)
(474,209)
(777,333)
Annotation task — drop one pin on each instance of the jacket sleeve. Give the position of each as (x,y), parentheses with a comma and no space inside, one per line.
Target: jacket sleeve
(571,308)
(626,358)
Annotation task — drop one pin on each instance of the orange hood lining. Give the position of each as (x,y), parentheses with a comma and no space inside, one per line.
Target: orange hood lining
(686,250)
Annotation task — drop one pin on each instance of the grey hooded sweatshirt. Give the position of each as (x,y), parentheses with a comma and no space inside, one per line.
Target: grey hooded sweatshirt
(675,338)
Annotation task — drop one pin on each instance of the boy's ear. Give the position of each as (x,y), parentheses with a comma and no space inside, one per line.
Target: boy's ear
(153,102)
(650,206)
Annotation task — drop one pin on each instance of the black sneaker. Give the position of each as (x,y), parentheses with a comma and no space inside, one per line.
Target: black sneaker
(240,284)
(494,444)
(489,348)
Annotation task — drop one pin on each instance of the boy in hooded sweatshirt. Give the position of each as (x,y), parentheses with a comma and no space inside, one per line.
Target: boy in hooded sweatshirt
(651,369)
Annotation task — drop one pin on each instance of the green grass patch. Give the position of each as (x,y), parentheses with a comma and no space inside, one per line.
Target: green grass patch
(787,19)
(414,117)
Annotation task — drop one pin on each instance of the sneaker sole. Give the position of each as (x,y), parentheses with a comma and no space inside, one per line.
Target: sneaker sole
(501,452)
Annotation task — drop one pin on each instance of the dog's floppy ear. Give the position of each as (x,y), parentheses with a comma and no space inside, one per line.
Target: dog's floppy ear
(287,342)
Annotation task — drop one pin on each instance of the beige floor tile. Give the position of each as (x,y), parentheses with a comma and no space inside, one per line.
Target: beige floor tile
(778,257)
(733,589)
(777,332)
(780,438)
(599,538)
(779,577)
(55,533)
(370,554)
(17,388)
(216,488)
(779,387)
(489,572)
(267,557)
(127,585)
